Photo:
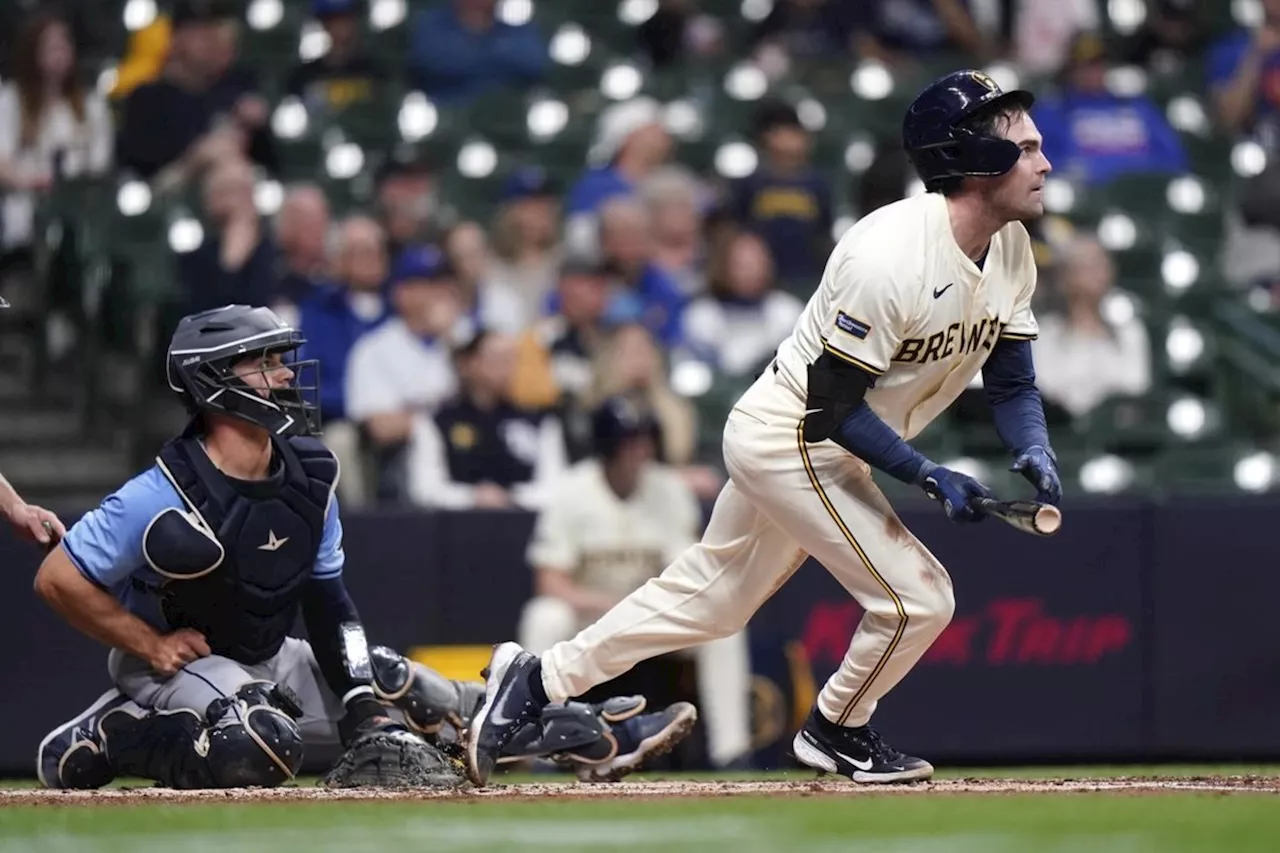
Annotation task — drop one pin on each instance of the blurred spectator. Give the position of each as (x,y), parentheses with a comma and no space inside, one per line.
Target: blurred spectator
(804,30)
(1093,135)
(1081,356)
(741,322)
(486,304)
(459,50)
(643,291)
(144,56)
(333,319)
(785,200)
(346,73)
(672,194)
(884,181)
(480,450)
(556,354)
(236,262)
(1041,31)
(630,143)
(202,109)
(302,235)
(675,31)
(1244,77)
(51,126)
(406,202)
(630,365)
(1171,31)
(525,239)
(403,366)
(896,31)
(611,524)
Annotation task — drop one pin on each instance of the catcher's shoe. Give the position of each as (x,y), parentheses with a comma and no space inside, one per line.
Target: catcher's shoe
(508,707)
(637,739)
(858,753)
(71,756)
(574,727)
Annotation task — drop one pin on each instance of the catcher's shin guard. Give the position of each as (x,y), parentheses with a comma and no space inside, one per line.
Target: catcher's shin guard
(250,739)
(574,732)
(432,704)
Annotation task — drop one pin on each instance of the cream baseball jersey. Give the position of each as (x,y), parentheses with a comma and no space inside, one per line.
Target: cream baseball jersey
(608,543)
(900,300)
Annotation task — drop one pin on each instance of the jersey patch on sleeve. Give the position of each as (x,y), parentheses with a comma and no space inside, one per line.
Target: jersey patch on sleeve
(852,326)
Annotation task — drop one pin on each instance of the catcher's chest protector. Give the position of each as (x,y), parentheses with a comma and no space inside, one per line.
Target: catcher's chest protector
(246,598)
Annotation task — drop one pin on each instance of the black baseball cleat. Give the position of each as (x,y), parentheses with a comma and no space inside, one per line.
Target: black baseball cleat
(508,706)
(72,755)
(858,753)
(638,739)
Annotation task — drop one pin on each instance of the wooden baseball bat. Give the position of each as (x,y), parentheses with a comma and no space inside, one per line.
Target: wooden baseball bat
(1028,516)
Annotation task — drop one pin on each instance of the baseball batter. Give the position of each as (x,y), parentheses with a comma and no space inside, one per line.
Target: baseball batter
(916,299)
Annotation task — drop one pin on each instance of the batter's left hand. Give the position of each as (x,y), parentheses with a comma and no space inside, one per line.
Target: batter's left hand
(1039,466)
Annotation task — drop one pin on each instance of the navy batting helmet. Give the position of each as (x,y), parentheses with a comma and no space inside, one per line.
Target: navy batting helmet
(940,148)
(617,419)
(205,350)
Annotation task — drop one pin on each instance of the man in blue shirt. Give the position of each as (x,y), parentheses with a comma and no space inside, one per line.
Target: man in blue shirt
(195,571)
(631,142)
(1244,76)
(458,50)
(1094,135)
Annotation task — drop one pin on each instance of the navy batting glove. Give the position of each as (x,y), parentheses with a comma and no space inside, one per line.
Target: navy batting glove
(1040,467)
(955,491)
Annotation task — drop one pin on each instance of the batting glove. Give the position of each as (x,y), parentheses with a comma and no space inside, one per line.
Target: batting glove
(955,491)
(1040,467)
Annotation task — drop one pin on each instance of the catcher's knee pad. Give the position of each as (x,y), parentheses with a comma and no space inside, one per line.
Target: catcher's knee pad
(254,739)
(428,699)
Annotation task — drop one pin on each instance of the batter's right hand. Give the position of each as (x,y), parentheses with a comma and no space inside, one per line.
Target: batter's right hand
(955,491)
(174,651)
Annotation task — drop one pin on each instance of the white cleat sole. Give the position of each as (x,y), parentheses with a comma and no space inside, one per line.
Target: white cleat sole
(810,756)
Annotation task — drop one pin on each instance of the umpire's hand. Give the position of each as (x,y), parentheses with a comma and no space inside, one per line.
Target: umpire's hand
(174,651)
(36,524)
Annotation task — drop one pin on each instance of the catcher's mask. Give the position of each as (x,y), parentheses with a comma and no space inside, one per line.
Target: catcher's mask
(211,366)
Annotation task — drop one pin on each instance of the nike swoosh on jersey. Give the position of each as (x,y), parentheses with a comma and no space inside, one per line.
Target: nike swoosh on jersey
(937,293)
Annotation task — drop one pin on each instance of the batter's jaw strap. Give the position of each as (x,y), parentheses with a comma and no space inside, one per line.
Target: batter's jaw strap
(250,739)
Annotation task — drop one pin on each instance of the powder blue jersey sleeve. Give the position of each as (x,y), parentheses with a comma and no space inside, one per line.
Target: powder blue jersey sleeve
(106,543)
(330,559)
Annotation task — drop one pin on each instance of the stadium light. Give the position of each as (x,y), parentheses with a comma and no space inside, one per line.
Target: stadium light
(268,195)
(313,41)
(871,81)
(746,82)
(1118,308)
(1106,474)
(636,12)
(1187,417)
(915,187)
(812,114)
(1183,344)
(186,235)
(1127,81)
(547,118)
(418,117)
(290,118)
(107,80)
(1256,472)
(1186,113)
(139,14)
(477,159)
(859,156)
(515,13)
(681,119)
(385,14)
(1248,13)
(968,466)
(1117,232)
(133,198)
(570,45)
(264,14)
(691,378)
(1059,195)
(736,159)
(756,10)
(621,81)
(344,161)
(1004,75)
(1185,194)
(1179,269)
(1126,15)
(841,225)
(1248,158)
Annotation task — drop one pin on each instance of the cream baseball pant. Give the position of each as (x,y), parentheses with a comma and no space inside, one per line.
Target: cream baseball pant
(785,500)
(723,666)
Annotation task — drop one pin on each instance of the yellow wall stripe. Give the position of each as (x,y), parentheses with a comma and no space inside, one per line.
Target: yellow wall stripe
(848,535)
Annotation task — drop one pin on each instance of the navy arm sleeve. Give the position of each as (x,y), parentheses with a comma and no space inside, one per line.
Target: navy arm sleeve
(326,607)
(1009,380)
(866,436)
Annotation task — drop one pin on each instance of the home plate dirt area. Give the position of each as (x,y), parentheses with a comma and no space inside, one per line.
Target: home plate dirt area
(661,789)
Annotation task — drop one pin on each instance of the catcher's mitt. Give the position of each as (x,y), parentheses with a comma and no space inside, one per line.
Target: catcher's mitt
(394,759)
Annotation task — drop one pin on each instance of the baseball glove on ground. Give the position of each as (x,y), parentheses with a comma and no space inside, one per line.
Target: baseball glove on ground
(394,758)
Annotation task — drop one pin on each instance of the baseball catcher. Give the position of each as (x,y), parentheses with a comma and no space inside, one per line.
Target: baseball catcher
(194,573)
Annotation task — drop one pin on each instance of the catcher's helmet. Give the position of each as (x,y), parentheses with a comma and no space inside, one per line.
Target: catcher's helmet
(617,419)
(205,349)
(939,148)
